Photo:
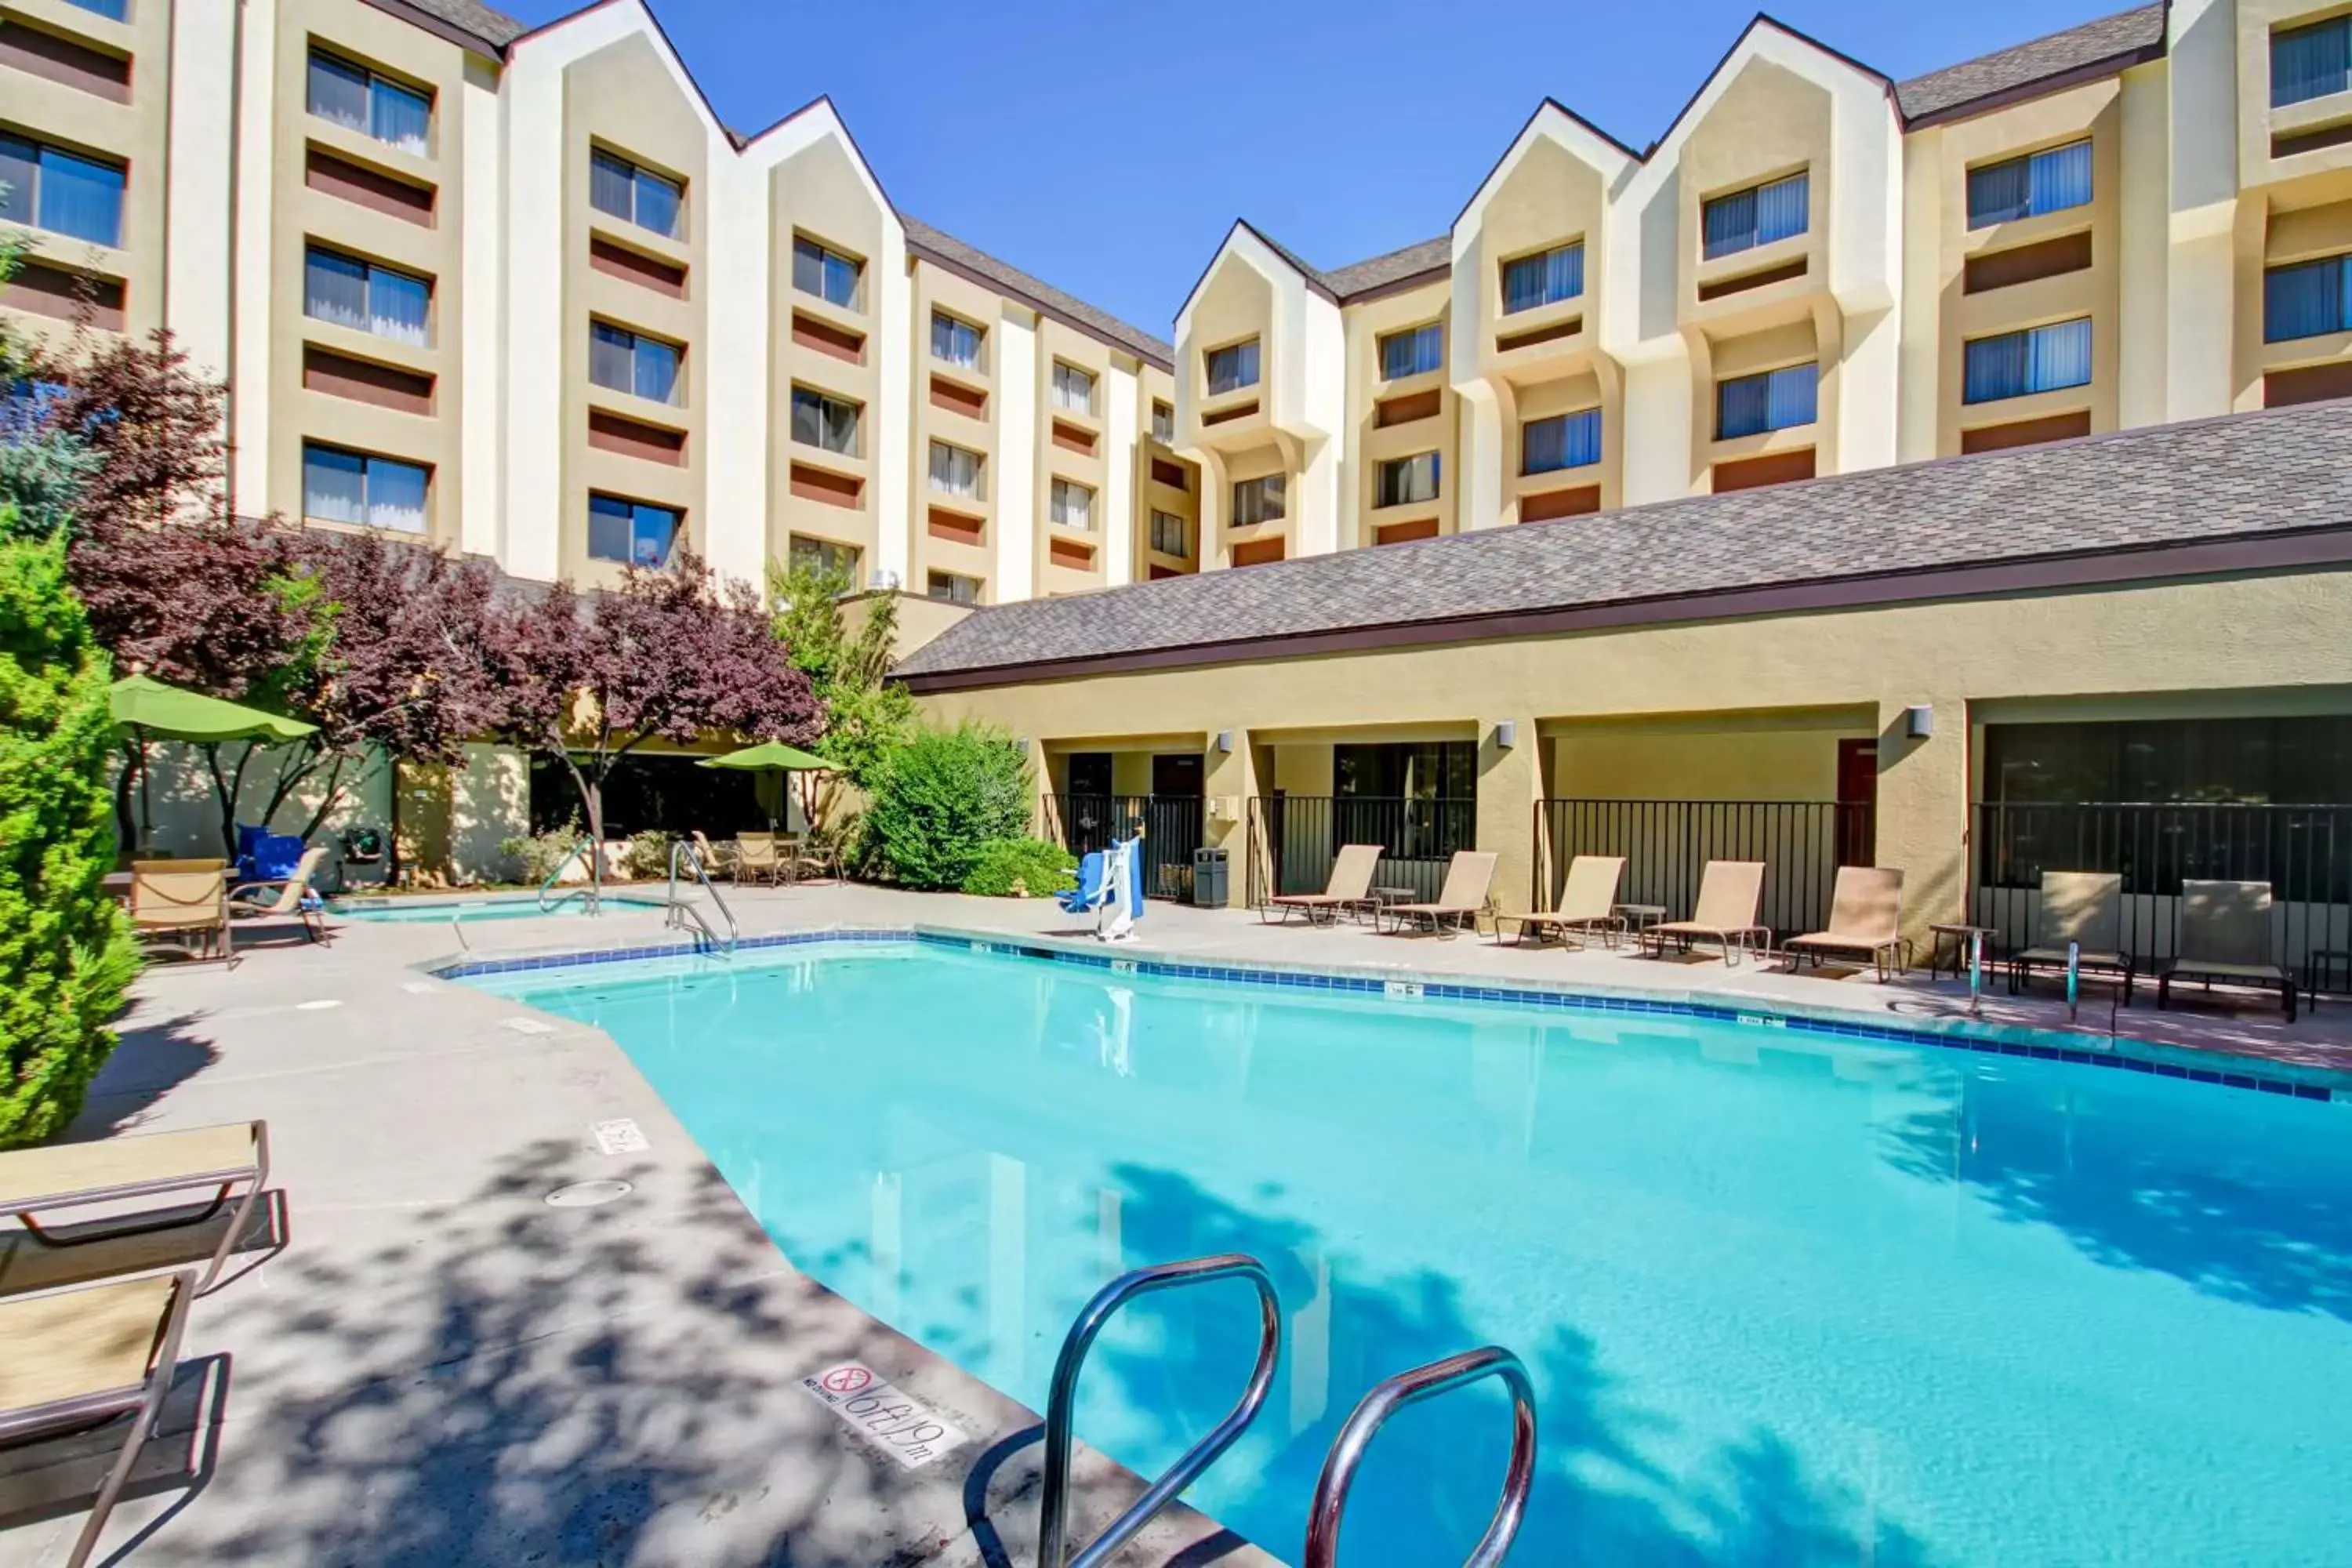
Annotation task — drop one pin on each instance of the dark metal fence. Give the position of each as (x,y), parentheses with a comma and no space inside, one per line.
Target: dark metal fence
(2304,852)
(1667,843)
(1174,826)
(1294,839)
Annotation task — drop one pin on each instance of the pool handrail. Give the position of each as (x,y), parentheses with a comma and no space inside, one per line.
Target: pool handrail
(1053,1534)
(680,910)
(1392,1395)
(587,894)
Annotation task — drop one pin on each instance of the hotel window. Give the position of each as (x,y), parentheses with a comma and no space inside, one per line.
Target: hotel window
(955,341)
(829,424)
(48,187)
(1257,500)
(1563,441)
(826,558)
(1163,421)
(1171,534)
(362,490)
(1407,481)
(1758,216)
(2311,62)
(1544,278)
(113,10)
(2027,187)
(2307,300)
(1412,351)
(2044,359)
(354,96)
(349,292)
(827,274)
(633,532)
(1774,400)
(1073,506)
(625,360)
(1233,367)
(954,588)
(636,196)
(1074,389)
(955,469)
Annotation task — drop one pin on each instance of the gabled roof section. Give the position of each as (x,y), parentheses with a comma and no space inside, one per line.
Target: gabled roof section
(461,21)
(2244,491)
(1761,23)
(1377,274)
(1282,253)
(1039,295)
(2093,49)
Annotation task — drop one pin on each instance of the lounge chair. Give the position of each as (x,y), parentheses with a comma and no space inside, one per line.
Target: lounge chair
(2086,909)
(1866,916)
(1588,902)
(47,1181)
(1349,887)
(1728,894)
(1459,903)
(70,1361)
(181,901)
(2225,935)
(757,858)
(713,862)
(291,897)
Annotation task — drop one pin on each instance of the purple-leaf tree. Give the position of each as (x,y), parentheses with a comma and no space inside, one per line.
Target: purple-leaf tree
(673,654)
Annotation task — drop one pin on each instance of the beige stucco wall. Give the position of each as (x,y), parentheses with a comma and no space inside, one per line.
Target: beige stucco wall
(1361,519)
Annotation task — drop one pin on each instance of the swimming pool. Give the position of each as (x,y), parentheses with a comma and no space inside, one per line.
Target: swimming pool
(1788,1297)
(444,910)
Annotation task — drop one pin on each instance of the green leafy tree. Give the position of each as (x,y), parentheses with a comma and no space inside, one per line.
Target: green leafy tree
(866,718)
(1021,869)
(943,799)
(65,956)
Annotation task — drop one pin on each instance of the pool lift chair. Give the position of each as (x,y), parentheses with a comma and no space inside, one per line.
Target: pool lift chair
(1111,887)
(1323,1519)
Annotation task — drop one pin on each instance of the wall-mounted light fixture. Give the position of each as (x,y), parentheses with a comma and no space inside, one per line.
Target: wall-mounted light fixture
(1919,720)
(1224,740)
(1506,734)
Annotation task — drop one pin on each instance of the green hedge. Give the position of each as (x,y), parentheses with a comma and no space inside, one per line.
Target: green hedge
(1021,869)
(941,799)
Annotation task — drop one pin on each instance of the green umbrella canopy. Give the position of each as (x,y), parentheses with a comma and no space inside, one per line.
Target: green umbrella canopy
(770,754)
(162,712)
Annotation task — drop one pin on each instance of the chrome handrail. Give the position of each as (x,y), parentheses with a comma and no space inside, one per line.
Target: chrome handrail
(1411,1389)
(701,874)
(577,851)
(1054,1525)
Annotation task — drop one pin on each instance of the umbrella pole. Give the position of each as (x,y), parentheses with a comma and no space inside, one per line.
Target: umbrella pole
(146,797)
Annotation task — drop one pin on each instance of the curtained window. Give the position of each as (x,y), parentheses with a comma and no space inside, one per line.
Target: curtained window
(955,341)
(2027,187)
(48,187)
(1563,441)
(1544,278)
(1412,351)
(362,490)
(1774,400)
(1407,481)
(827,274)
(1758,216)
(365,297)
(636,196)
(829,424)
(1257,500)
(629,361)
(357,98)
(2311,62)
(2306,299)
(1233,367)
(634,533)
(1074,389)
(2014,364)
(1073,506)
(954,469)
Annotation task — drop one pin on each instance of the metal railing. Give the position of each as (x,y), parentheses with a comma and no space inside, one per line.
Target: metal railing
(681,911)
(589,894)
(1392,1395)
(1294,839)
(1174,826)
(1052,1543)
(1667,843)
(2304,852)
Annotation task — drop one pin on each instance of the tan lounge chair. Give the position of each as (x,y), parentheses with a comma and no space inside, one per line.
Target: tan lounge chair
(1728,894)
(2225,935)
(72,1360)
(757,858)
(1459,902)
(1588,902)
(289,901)
(43,1182)
(1866,916)
(2085,908)
(184,901)
(1349,887)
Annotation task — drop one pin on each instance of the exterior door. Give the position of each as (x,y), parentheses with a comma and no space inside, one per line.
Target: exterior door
(1857,803)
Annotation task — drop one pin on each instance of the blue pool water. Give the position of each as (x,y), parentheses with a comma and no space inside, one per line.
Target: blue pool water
(443,911)
(1788,1299)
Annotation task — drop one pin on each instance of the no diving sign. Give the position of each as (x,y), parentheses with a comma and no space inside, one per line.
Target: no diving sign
(910,1432)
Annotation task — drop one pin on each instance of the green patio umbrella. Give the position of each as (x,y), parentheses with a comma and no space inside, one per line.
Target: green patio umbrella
(148,709)
(772,756)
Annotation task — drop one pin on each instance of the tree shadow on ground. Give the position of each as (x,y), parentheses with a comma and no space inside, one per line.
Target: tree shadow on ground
(151,1058)
(2242,1200)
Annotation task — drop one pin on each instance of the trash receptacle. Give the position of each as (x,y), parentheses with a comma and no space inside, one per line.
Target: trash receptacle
(1209,878)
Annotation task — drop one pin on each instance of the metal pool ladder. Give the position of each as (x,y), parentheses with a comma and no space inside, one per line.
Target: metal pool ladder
(586,895)
(681,913)
(1339,1466)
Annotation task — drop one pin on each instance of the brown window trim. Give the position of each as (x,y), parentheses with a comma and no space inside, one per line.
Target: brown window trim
(2026,432)
(957,398)
(1549,506)
(1405,532)
(955,527)
(1760,279)
(1069,554)
(334,374)
(54,57)
(1258,552)
(2293,142)
(355,183)
(611,432)
(615,260)
(1408,410)
(41,290)
(1172,475)
(1772,469)
(2023,263)
(2307,384)
(1072,439)
(809,482)
(826,338)
(1568,329)
(1239,411)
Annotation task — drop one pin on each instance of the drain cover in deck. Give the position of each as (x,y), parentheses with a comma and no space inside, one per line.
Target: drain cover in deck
(588,1194)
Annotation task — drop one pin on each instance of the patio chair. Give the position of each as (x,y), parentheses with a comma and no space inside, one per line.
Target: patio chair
(1459,902)
(1728,894)
(71,1361)
(2225,935)
(2086,909)
(292,895)
(757,859)
(713,862)
(1866,916)
(184,901)
(1588,902)
(1349,887)
(36,1186)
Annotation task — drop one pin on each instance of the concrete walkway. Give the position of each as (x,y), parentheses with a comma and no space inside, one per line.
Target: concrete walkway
(438,1368)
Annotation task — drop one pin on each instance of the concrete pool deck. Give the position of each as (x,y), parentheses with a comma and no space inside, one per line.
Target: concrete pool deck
(438,1368)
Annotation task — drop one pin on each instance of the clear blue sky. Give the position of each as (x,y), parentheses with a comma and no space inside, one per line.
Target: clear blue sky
(1106,146)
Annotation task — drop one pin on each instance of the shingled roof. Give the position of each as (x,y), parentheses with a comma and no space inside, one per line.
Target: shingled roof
(494,30)
(2245,476)
(2096,47)
(954,252)
(1381,271)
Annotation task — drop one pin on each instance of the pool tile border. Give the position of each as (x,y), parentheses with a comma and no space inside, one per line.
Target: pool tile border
(1948,1034)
